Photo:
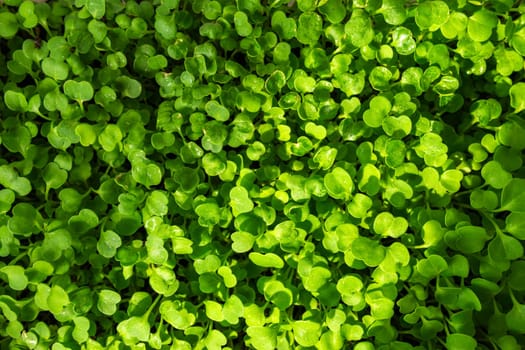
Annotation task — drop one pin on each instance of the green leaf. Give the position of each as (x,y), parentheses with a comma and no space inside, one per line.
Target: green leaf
(55,68)
(359,28)
(461,342)
(432,266)
(134,329)
(242,242)
(494,175)
(455,25)
(8,25)
(333,10)
(338,183)
(515,225)
(515,318)
(240,201)
(57,299)
(11,180)
(81,331)
(380,78)
(385,224)
(306,333)
(403,41)
(394,11)
(242,25)
(451,180)
(15,101)
(147,174)
(86,220)
(97,8)
(395,153)
(233,309)
(368,250)
(128,87)
(467,239)
(480,25)
(517,97)
(98,29)
(262,338)
(484,199)
(431,15)
(513,196)
(509,133)
(215,340)
(309,28)
(209,214)
(517,41)
(109,138)
(54,176)
(7,198)
(78,91)
(505,247)
(359,206)
(16,277)
(174,313)
(350,84)
(285,27)
(508,61)
(276,293)
(217,111)
(268,260)
(214,310)
(107,301)
(108,243)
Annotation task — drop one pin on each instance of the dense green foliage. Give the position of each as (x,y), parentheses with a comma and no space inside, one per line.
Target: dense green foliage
(233,174)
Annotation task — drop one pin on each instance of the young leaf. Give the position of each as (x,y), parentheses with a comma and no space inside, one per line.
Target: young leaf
(309,28)
(306,333)
(480,25)
(338,183)
(78,91)
(97,8)
(359,28)
(268,260)
(513,196)
(107,301)
(430,15)
(16,277)
(134,329)
(8,25)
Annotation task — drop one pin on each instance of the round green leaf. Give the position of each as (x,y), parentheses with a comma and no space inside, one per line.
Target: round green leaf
(8,25)
(242,25)
(403,41)
(107,301)
(517,97)
(269,260)
(15,101)
(359,28)
(309,29)
(240,201)
(430,15)
(338,183)
(306,333)
(386,224)
(494,174)
(78,91)
(128,87)
(108,243)
(480,25)
(16,277)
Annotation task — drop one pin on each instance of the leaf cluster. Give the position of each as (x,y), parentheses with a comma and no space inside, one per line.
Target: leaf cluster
(226,174)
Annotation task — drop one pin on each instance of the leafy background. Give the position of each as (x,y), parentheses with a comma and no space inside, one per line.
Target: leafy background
(223,174)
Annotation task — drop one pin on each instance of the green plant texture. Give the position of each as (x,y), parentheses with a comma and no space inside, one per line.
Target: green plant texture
(245,174)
